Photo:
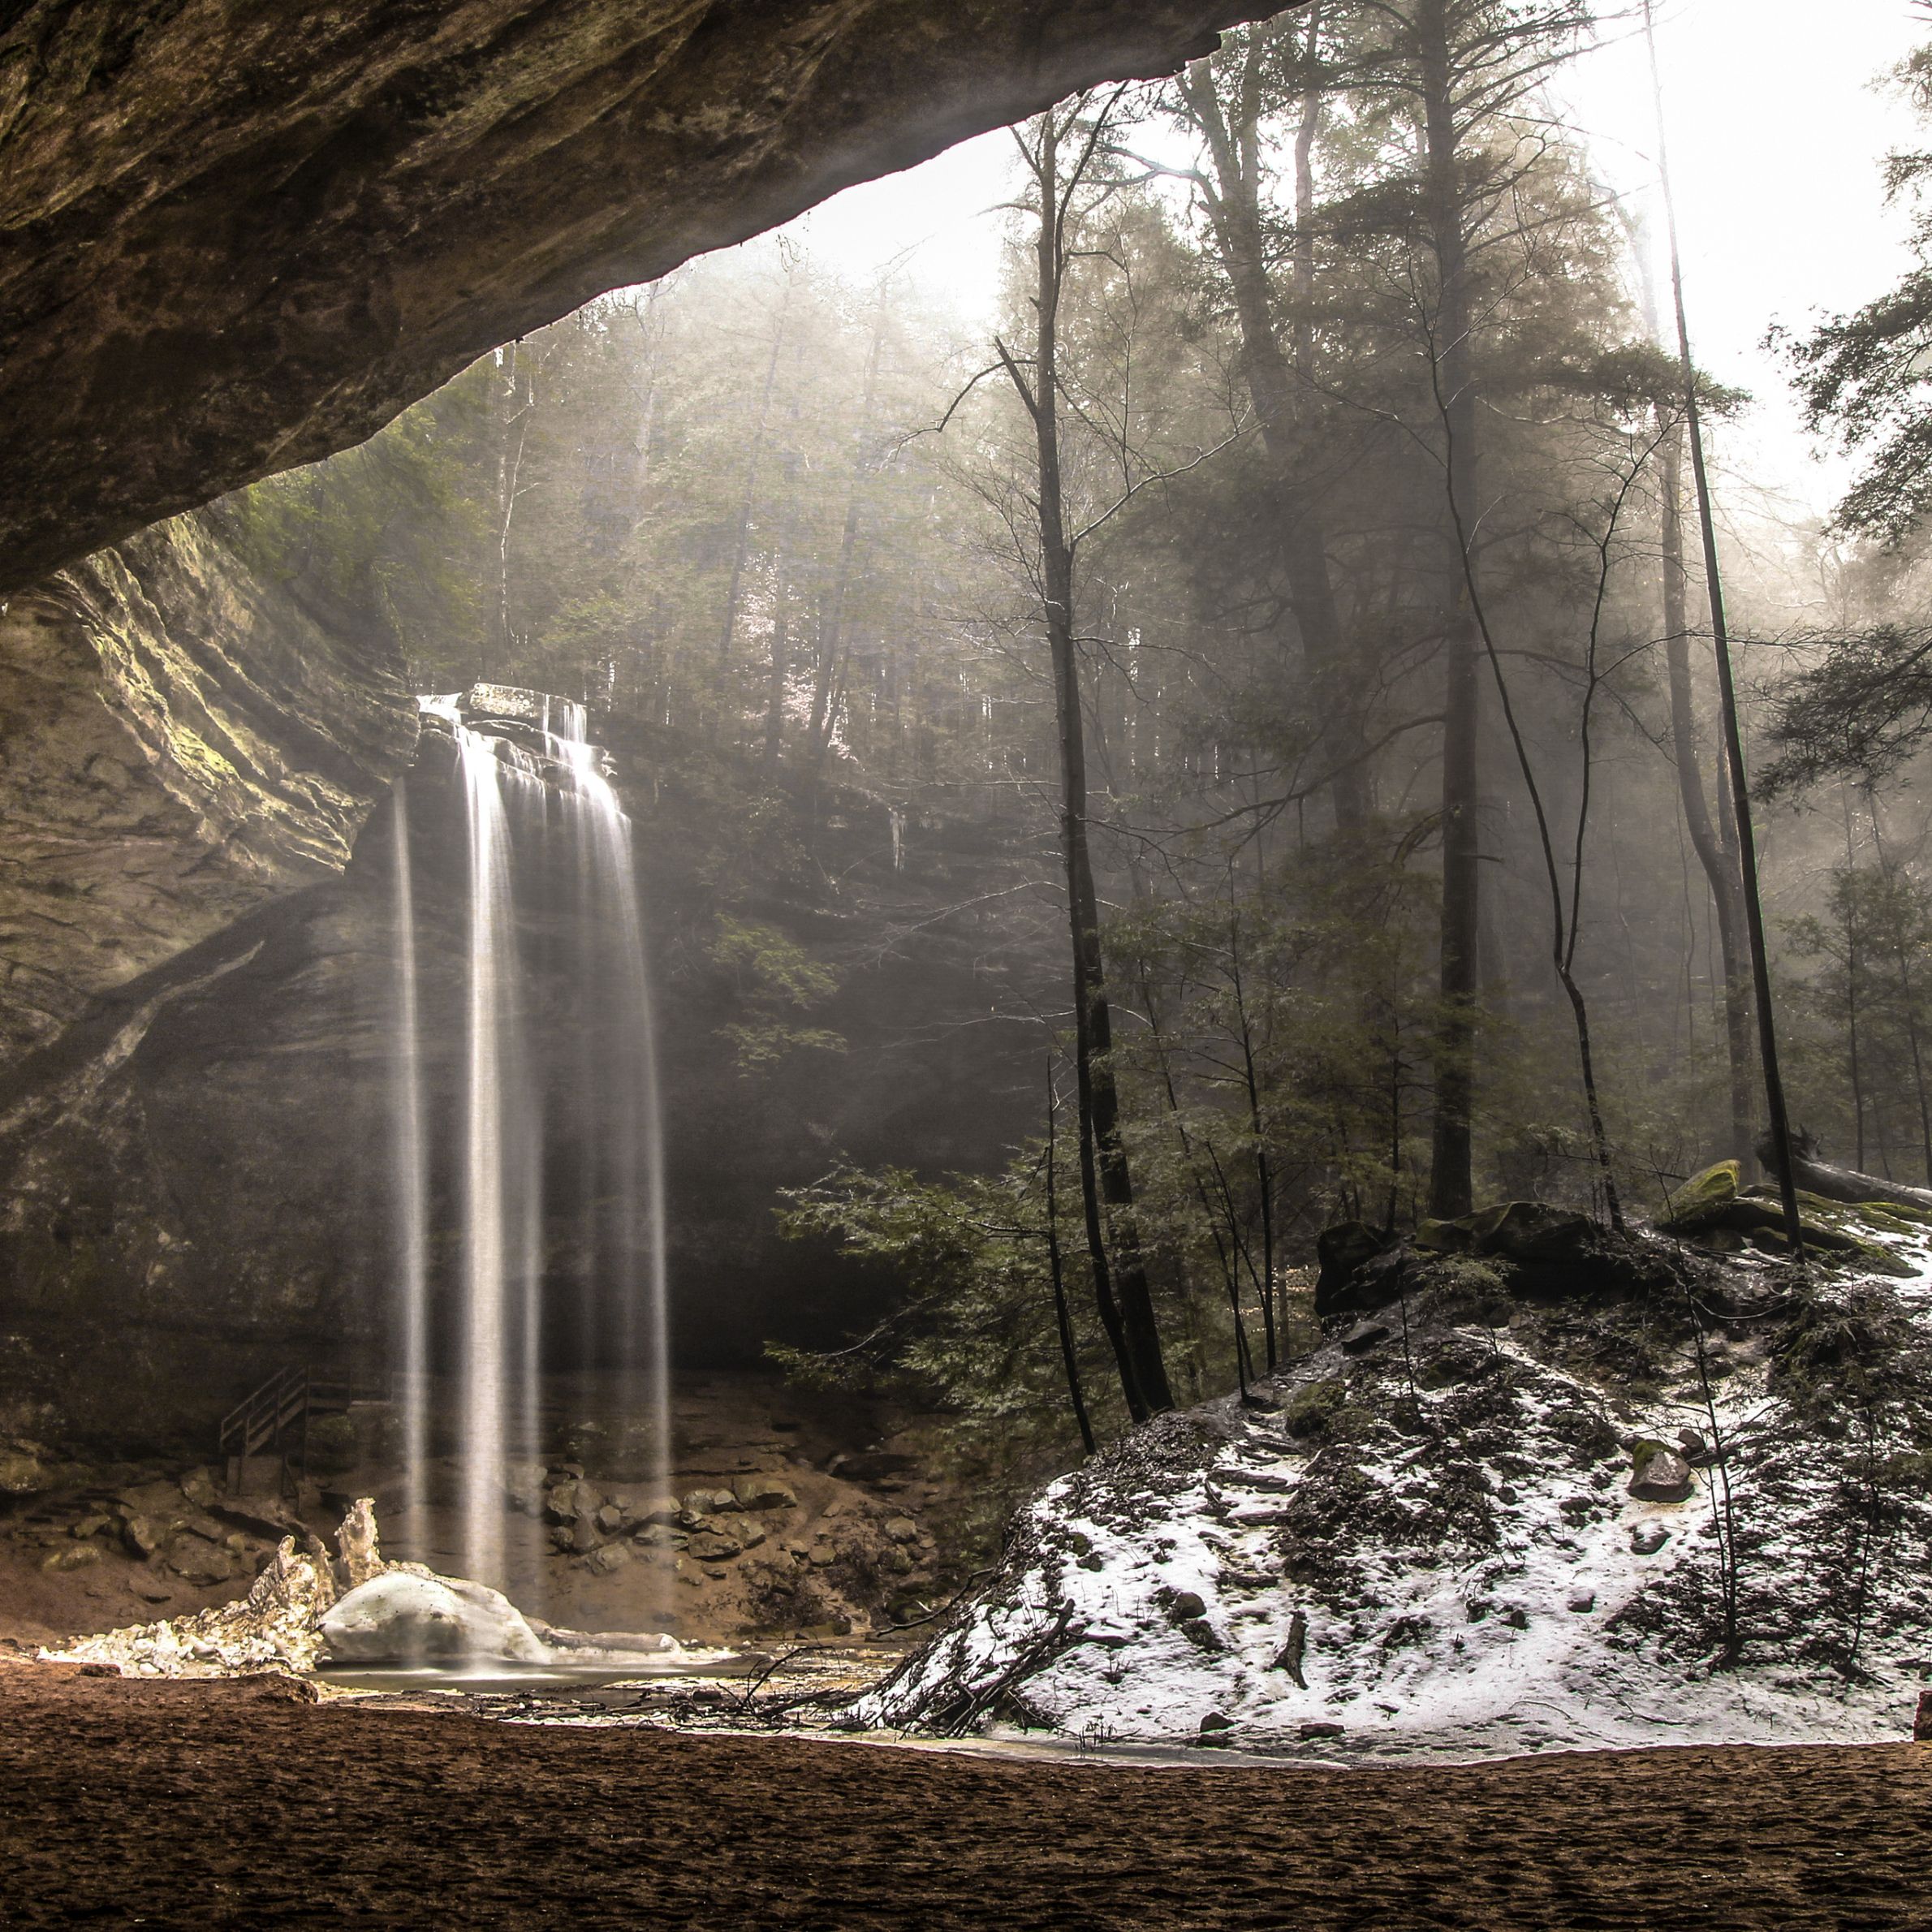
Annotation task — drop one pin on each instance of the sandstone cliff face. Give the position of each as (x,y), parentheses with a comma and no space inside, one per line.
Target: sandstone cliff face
(195,1167)
(187,757)
(235,237)
(179,744)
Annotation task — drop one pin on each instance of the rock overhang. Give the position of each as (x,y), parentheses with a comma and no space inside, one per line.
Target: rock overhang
(203,283)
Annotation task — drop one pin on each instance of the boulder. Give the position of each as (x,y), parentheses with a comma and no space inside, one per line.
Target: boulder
(710,1546)
(199,1488)
(1441,1237)
(1713,1204)
(404,1617)
(21,1472)
(1659,1473)
(143,1536)
(1646,1539)
(1341,1253)
(197,1562)
(901,1529)
(764,1492)
(1702,1200)
(1532,1232)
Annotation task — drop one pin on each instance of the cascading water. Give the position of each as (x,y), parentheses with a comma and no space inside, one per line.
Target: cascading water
(411,1155)
(548,852)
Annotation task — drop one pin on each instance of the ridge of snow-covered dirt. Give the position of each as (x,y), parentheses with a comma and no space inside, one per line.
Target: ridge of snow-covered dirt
(1469,1573)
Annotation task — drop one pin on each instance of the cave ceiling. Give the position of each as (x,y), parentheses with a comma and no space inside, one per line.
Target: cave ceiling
(238,235)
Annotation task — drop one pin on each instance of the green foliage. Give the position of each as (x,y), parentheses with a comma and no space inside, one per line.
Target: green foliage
(775,980)
(972,1334)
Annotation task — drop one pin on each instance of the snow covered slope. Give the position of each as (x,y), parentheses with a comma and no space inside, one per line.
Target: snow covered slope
(1428,1546)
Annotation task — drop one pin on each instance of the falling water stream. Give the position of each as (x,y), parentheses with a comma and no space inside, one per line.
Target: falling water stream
(548,844)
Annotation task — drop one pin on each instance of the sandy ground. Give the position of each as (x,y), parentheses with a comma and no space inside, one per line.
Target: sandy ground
(125,1804)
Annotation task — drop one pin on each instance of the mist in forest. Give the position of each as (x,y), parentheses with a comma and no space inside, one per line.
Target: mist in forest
(1288,550)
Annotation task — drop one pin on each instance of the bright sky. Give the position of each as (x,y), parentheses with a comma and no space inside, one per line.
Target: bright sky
(1779,123)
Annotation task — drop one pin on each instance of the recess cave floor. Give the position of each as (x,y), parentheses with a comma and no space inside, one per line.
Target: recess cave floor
(170,1803)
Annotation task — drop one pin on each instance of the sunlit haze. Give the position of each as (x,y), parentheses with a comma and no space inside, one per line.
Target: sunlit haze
(1780,116)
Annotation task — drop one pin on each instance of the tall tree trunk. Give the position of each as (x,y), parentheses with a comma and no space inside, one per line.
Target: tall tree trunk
(1717,856)
(1779,1134)
(1451,1182)
(1062,1315)
(1120,1280)
(1234,144)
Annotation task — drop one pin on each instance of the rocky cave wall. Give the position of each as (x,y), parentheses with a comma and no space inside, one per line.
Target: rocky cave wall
(196,1026)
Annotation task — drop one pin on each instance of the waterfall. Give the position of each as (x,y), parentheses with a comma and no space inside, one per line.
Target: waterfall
(490,1174)
(549,895)
(624,1218)
(411,1157)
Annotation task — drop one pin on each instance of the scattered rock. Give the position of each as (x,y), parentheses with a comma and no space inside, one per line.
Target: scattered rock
(1659,1474)
(21,1473)
(1185,1606)
(709,1546)
(199,1486)
(901,1529)
(764,1492)
(77,1556)
(1364,1336)
(1921,1721)
(1321,1727)
(1516,1619)
(1584,1604)
(612,1557)
(194,1563)
(1215,1721)
(1646,1539)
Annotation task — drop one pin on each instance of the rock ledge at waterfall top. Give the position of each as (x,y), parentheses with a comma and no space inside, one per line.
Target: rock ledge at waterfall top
(1426,1544)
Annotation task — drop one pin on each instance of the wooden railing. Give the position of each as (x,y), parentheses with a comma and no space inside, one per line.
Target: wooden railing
(288,1397)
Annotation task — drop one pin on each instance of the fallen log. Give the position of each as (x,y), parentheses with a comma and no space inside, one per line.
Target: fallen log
(1843,1184)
